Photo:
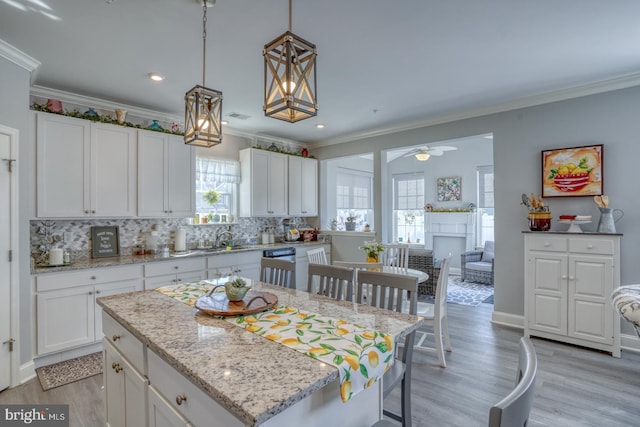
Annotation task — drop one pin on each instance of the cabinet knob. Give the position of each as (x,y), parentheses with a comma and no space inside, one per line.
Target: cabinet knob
(170,212)
(93,277)
(97,291)
(563,277)
(166,212)
(572,278)
(175,267)
(90,292)
(86,212)
(589,246)
(547,244)
(116,367)
(181,398)
(179,280)
(93,211)
(115,337)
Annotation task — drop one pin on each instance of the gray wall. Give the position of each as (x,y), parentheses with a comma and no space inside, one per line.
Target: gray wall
(519,136)
(14,113)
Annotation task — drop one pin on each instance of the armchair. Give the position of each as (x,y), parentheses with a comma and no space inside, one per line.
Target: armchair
(422,259)
(477,266)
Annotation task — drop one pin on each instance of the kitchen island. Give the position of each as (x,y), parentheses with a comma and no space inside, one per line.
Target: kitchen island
(188,367)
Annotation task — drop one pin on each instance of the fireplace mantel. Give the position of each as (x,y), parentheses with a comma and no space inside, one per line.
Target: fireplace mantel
(450,224)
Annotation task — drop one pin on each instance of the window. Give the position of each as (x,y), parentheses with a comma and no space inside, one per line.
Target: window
(353,197)
(221,177)
(408,207)
(485,204)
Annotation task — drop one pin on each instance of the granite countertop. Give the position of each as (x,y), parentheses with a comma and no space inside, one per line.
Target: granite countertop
(83,264)
(252,377)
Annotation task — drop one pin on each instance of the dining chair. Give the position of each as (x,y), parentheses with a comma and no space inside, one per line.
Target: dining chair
(386,290)
(396,255)
(435,315)
(317,256)
(357,266)
(279,272)
(331,281)
(514,409)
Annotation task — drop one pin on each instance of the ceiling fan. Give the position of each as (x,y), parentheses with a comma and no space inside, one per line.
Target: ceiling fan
(423,153)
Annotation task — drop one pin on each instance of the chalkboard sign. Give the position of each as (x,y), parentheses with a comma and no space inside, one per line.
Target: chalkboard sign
(105,241)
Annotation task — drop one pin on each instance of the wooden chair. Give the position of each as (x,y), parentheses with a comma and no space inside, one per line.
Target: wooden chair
(357,266)
(389,291)
(435,315)
(317,256)
(396,255)
(331,281)
(515,408)
(278,272)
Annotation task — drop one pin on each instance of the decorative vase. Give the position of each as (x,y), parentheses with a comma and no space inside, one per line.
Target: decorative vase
(121,115)
(54,105)
(350,226)
(91,113)
(373,258)
(235,293)
(155,126)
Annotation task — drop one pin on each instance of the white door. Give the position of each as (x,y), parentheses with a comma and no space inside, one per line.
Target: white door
(8,207)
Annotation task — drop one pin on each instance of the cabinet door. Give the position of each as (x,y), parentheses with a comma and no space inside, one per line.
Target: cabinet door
(153,182)
(590,284)
(109,289)
(161,414)
(65,318)
(303,186)
(113,166)
(63,157)
(258,178)
(547,292)
(278,185)
(125,391)
(182,177)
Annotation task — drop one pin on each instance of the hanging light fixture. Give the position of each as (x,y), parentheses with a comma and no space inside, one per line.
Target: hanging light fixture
(203,106)
(422,156)
(290,77)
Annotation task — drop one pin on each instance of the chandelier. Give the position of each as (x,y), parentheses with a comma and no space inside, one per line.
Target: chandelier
(290,77)
(203,106)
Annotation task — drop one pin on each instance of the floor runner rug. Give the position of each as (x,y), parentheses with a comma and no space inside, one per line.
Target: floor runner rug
(58,374)
(468,293)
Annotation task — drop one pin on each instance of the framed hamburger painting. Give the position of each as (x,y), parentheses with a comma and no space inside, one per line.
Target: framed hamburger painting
(574,171)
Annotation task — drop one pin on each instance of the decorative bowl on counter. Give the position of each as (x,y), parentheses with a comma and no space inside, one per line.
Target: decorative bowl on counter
(236,289)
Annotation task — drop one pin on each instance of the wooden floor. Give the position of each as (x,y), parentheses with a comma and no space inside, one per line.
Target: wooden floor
(575,387)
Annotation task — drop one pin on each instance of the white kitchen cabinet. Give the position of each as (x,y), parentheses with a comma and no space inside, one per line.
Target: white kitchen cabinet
(161,414)
(303,186)
(302,263)
(568,281)
(166,176)
(243,264)
(67,314)
(264,184)
(85,169)
(125,390)
(173,272)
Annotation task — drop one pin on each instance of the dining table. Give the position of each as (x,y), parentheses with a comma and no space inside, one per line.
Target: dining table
(247,368)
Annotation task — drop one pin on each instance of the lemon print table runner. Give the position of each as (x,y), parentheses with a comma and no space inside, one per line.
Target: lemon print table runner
(361,355)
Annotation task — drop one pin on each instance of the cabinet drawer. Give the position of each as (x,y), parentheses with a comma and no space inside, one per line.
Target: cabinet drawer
(128,345)
(174,267)
(228,260)
(555,244)
(198,407)
(92,276)
(591,246)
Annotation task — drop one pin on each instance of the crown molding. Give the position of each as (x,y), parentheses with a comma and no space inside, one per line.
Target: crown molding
(621,82)
(76,99)
(18,57)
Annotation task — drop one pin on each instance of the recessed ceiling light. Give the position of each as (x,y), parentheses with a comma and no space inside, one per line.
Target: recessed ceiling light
(156,77)
(320,126)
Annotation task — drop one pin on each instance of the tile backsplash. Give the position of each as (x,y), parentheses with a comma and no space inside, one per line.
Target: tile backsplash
(74,235)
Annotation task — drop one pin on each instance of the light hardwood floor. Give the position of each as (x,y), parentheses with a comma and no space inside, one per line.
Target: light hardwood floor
(575,386)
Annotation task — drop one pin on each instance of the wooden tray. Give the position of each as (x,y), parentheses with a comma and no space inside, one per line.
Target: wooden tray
(219,305)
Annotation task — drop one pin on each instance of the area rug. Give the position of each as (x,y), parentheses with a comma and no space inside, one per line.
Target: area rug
(58,374)
(468,293)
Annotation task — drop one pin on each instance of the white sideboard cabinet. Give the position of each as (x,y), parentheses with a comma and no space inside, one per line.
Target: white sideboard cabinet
(85,169)
(568,280)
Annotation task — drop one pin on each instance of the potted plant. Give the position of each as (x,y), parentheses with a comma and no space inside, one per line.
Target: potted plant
(350,222)
(373,250)
(236,289)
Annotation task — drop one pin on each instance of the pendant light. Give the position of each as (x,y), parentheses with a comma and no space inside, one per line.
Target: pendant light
(203,106)
(290,77)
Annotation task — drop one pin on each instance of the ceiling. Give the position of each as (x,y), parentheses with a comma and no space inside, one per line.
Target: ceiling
(381,64)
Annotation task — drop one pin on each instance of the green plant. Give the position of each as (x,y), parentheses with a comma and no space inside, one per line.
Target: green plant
(211,197)
(238,283)
(372,248)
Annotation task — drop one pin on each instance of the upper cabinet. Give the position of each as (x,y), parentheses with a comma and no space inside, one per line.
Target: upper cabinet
(303,186)
(166,176)
(85,169)
(264,185)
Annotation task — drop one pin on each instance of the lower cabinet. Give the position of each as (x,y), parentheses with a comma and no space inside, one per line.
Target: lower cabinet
(568,282)
(125,390)
(161,414)
(243,264)
(66,311)
(302,263)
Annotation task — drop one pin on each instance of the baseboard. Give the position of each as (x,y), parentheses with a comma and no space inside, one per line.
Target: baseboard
(67,354)
(507,319)
(27,372)
(630,343)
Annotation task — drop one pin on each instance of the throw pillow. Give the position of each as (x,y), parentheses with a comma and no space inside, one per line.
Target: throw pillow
(488,252)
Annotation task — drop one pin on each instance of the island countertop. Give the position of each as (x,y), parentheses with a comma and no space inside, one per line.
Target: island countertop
(252,377)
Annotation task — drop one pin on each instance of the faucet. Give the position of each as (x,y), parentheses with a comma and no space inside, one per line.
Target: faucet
(222,232)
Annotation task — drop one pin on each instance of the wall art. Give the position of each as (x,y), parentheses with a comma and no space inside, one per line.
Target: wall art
(573,171)
(449,188)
